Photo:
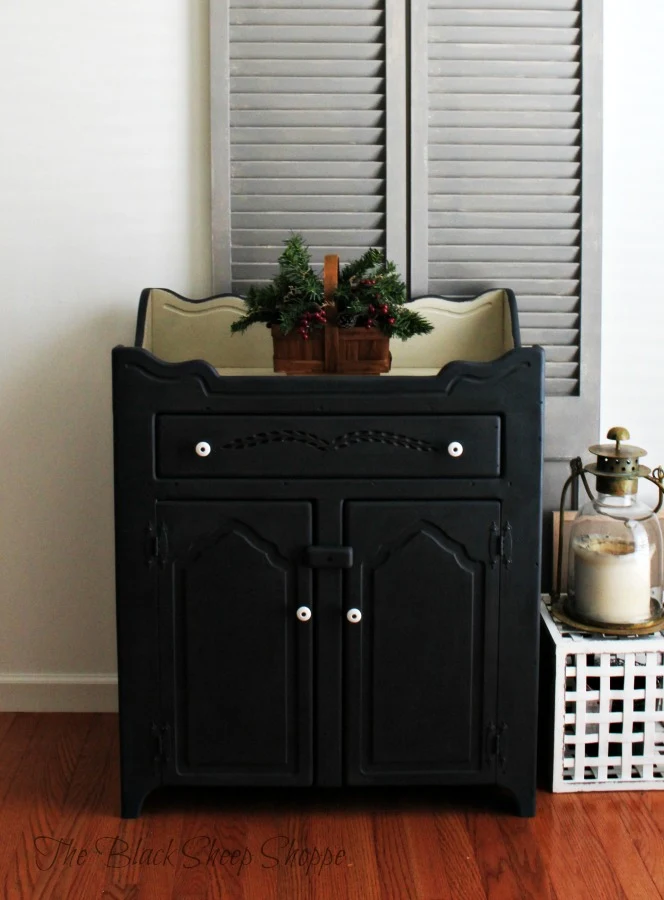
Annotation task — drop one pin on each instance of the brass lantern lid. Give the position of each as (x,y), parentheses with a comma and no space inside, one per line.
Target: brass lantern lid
(617,468)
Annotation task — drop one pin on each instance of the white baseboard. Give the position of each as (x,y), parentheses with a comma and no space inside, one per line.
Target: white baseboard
(58,692)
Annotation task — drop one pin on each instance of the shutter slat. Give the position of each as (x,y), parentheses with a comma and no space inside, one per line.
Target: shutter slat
(549,320)
(319,17)
(559,371)
(503,68)
(316,67)
(542,272)
(561,387)
(546,337)
(453,219)
(504,118)
(269,135)
(267,49)
(504,185)
(281,222)
(342,204)
(290,118)
(304,152)
(500,18)
(507,203)
(309,186)
(315,237)
(514,101)
(486,84)
(497,4)
(320,169)
(314,4)
(268,254)
(563,237)
(462,168)
(499,252)
(254,101)
(300,84)
(561,353)
(546,137)
(295,34)
(509,152)
(472,286)
(486,34)
(532,303)
(526,52)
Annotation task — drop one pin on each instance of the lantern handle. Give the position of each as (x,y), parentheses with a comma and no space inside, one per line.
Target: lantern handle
(657,478)
(577,471)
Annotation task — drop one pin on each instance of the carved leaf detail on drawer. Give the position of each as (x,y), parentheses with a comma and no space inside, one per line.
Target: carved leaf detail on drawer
(338,443)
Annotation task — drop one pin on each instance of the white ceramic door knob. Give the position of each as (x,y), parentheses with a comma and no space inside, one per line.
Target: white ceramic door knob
(303,614)
(353,615)
(203,448)
(455,448)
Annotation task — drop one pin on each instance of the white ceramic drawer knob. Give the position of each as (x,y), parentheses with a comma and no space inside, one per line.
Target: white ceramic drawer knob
(455,448)
(203,448)
(353,615)
(303,614)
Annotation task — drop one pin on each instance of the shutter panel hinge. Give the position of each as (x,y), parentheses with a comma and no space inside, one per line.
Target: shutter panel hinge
(501,545)
(156,544)
(496,744)
(161,742)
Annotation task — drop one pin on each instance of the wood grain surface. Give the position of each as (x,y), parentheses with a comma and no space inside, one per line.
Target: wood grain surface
(61,837)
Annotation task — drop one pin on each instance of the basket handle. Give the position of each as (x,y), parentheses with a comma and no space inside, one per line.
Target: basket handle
(330,282)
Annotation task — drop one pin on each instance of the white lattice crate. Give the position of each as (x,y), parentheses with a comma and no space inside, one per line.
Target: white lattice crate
(607,708)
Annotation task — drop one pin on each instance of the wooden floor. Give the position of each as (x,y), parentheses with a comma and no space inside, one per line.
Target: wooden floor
(61,837)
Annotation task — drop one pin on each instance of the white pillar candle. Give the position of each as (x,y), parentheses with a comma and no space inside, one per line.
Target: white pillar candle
(612,579)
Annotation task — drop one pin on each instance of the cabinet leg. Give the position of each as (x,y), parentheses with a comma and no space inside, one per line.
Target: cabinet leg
(524,801)
(132,798)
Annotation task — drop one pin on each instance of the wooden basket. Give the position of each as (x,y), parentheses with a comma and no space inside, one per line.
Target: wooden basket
(340,351)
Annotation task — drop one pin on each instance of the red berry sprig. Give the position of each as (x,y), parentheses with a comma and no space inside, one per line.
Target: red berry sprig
(309,321)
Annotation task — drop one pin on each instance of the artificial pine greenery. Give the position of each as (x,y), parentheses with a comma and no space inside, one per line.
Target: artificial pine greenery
(370,294)
(294,296)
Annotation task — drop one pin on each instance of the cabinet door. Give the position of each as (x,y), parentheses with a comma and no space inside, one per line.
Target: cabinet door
(420,665)
(236,660)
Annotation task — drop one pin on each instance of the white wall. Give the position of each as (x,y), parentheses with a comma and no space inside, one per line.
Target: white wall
(633,269)
(104,180)
(104,187)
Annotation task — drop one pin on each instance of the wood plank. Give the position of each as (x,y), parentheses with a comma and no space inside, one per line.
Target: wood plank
(642,828)
(438,832)
(604,816)
(527,858)
(34,800)
(89,822)
(564,860)
(597,872)
(6,722)
(395,867)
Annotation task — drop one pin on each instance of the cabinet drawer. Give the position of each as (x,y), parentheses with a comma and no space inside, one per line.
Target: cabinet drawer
(294,446)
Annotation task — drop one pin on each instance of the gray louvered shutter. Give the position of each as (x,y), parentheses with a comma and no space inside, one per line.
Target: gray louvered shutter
(503,194)
(307,130)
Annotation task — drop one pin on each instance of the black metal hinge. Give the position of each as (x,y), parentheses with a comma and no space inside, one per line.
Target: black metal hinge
(501,545)
(156,544)
(161,741)
(496,744)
